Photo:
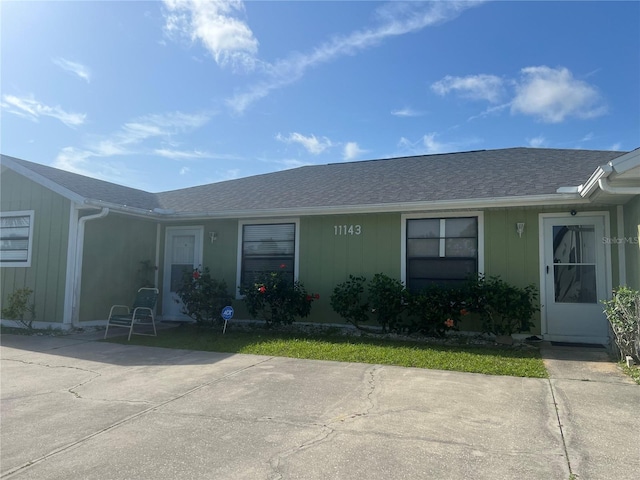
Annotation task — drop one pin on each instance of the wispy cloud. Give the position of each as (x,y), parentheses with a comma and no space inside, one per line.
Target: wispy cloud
(537,142)
(407,112)
(351,151)
(427,144)
(215,24)
(395,20)
(549,94)
(311,143)
(32,109)
(553,94)
(73,67)
(130,139)
(475,87)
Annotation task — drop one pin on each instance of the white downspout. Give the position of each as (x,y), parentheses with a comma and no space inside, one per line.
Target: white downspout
(622,259)
(77,284)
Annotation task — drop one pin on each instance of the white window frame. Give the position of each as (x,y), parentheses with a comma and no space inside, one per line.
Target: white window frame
(441,215)
(273,221)
(31,215)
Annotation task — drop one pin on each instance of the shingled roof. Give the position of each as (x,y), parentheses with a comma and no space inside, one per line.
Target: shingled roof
(477,175)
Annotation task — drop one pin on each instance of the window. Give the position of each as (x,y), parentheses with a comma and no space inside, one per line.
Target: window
(16,233)
(440,250)
(266,248)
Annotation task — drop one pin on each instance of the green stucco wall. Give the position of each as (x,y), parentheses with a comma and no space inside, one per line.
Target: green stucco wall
(114,246)
(632,246)
(47,273)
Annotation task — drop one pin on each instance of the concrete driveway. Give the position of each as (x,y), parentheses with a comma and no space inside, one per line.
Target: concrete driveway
(73,408)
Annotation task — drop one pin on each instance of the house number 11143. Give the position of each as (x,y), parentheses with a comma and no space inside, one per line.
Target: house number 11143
(347,229)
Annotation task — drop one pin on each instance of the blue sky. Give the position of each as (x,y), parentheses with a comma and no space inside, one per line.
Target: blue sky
(166,95)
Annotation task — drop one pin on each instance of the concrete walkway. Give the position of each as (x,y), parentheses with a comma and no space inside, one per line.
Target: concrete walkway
(73,408)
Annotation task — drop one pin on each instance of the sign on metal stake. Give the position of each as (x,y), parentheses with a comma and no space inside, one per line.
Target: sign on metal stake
(227,314)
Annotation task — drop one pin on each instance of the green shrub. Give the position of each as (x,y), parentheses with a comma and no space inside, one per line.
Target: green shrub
(203,297)
(437,309)
(275,299)
(504,309)
(18,305)
(623,312)
(348,301)
(388,300)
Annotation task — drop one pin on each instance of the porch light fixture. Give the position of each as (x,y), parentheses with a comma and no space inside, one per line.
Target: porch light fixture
(520,228)
(213,236)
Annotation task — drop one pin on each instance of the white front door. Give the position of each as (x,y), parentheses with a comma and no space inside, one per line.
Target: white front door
(182,252)
(574,271)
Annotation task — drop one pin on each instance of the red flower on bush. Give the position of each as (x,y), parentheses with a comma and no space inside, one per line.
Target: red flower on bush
(262,289)
(283,265)
(308,298)
(448,322)
(317,296)
(464,312)
(196,274)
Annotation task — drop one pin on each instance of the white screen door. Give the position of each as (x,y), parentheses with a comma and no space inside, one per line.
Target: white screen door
(183,252)
(575,279)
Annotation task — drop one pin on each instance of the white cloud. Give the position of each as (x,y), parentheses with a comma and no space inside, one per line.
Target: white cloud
(588,137)
(184,170)
(427,144)
(30,108)
(215,24)
(396,20)
(552,95)
(180,154)
(76,68)
(311,143)
(406,112)
(351,151)
(128,140)
(537,142)
(616,146)
(475,87)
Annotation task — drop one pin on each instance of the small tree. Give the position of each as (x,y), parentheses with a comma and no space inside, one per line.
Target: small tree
(18,305)
(203,297)
(623,313)
(274,298)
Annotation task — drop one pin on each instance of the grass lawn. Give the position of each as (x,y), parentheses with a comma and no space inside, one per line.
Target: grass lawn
(517,362)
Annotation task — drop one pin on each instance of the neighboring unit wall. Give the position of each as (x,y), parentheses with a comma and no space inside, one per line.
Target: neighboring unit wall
(632,244)
(114,247)
(46,275)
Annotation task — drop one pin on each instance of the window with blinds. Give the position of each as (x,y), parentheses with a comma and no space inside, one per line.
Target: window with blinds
(267,248)
(441,250)
(16,231)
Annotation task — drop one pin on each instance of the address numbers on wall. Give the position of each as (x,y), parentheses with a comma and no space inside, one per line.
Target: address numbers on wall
(347,229)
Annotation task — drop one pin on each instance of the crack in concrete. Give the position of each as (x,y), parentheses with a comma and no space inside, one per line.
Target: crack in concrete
(329,427)
(572,474)
(9,473)
(71,390)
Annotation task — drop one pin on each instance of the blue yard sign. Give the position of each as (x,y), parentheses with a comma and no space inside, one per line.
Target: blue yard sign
(227,314)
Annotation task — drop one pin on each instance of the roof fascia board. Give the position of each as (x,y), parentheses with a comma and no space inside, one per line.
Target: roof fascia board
(43,181)
(475,204)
